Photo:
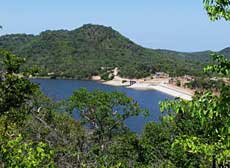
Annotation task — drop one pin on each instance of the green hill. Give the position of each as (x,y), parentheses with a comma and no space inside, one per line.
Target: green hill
(95,49)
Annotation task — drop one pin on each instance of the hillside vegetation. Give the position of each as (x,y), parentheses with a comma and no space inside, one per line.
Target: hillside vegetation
(37,132)
(95,49)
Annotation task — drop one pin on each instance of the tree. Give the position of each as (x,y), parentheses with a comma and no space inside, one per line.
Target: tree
(18,153)
(221,65)
(155,143)
(16,94)
(104,112)
(204,123)
(217,9)
(178,83)
(203,138)
(15,91)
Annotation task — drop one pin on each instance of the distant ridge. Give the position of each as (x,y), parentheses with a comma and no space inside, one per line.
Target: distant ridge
(226,52)
(95,50)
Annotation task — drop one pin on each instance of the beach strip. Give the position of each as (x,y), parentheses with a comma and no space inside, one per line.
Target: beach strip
(164,89)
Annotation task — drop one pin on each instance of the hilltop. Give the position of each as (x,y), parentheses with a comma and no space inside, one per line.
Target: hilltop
(95,50)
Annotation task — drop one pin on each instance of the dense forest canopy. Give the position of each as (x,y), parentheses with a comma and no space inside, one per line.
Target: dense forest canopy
(95,50)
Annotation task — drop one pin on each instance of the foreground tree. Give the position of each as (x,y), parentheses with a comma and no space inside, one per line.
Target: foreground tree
(156,143)
(217,9)
(203,124)
(104,112)
(104,115)
(18,153)
(16,93)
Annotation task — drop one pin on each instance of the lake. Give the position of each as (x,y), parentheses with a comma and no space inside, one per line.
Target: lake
(58,89)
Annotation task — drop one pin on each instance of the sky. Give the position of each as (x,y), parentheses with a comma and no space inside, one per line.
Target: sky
(181,25)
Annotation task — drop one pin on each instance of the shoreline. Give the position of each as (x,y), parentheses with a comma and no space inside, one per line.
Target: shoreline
(165,89)
(141,84)
(152,84)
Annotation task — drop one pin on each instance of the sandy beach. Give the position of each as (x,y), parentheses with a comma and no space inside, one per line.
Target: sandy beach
(164,88)
(159,84)
(151,83)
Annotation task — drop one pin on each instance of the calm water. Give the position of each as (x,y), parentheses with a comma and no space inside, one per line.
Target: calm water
(62,89)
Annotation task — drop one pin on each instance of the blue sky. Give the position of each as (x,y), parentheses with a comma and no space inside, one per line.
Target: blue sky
(168,24)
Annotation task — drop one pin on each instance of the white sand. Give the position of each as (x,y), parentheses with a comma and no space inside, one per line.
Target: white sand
(164,89)
(117,81)
(159,86)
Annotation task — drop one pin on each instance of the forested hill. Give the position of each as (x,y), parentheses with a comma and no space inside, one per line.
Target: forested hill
(95,49)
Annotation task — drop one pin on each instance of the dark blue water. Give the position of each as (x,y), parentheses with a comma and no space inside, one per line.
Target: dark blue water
(148,99)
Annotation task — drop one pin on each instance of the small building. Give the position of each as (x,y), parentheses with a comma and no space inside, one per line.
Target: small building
(187,77)
(132,82)
(161,75)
